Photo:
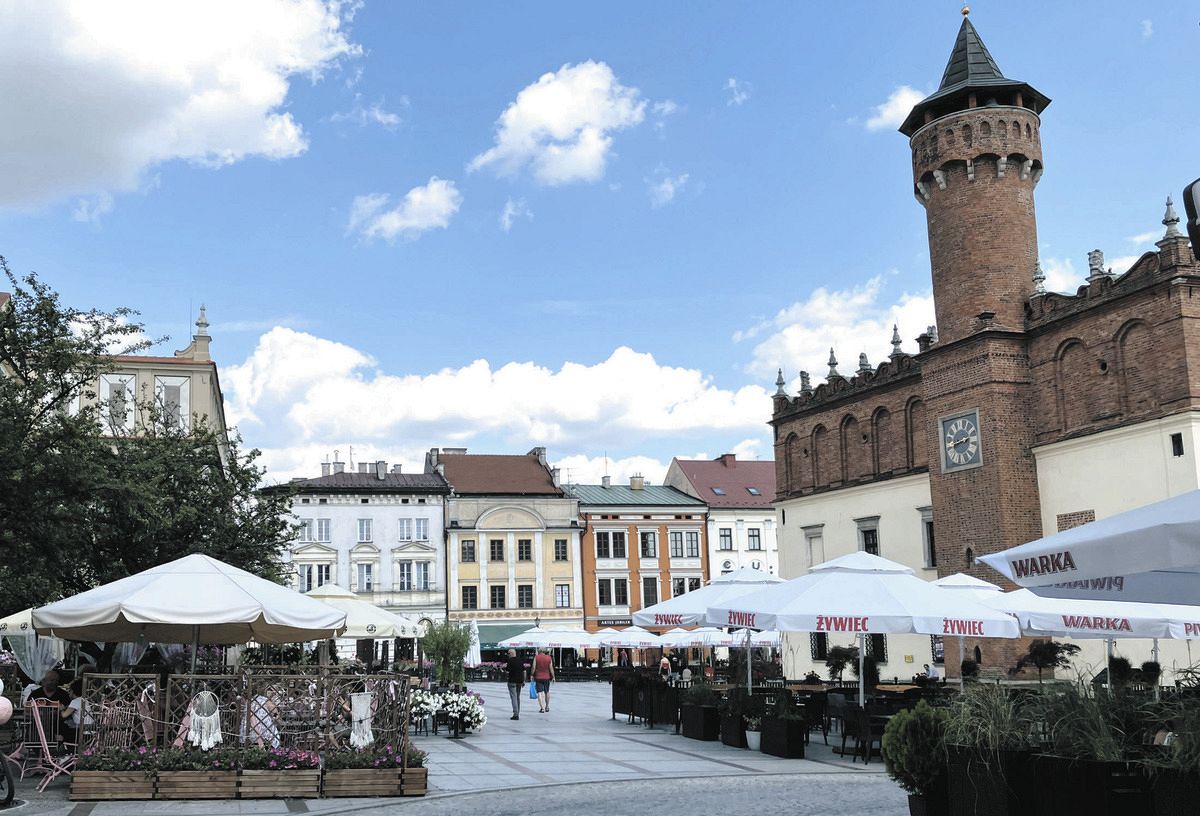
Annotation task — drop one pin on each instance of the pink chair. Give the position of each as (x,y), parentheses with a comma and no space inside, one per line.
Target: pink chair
(40,749)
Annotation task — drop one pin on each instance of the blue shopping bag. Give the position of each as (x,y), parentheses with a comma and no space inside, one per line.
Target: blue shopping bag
(532,690)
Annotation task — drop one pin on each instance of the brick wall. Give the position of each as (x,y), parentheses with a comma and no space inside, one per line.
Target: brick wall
(1067,521)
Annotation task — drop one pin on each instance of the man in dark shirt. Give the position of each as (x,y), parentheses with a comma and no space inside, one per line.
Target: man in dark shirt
(516,682)
(50,690)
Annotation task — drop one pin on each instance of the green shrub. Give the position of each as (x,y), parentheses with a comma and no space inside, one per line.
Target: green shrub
(914,749)
(700,694)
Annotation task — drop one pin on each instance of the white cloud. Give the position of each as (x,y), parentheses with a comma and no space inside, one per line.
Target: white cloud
(561,126)
(1121,264)
(90,210)
(514,209)
(1061,275)
(850,320)
(362,114)
(737,91)
(423,208)
(661,110)
(297,391)
(1147,29)
(582,469)
(663,187)
(107,91)
(1143,237)
(892,113)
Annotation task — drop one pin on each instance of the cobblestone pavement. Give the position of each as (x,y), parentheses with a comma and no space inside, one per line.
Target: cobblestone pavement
(574,756)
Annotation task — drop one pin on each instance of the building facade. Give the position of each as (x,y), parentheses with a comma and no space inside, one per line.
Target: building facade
(1024,412)
(741,515)
(376,532)
(512,538)
(642,544)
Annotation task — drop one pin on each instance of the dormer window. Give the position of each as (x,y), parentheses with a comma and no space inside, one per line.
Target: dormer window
(753,491)
(720,491)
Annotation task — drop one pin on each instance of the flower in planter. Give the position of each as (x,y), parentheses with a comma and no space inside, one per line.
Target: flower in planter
(753,723)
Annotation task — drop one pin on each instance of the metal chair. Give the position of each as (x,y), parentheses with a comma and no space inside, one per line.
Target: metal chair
(41,747)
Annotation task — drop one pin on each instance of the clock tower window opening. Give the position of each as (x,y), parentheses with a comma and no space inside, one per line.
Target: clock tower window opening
(927,537)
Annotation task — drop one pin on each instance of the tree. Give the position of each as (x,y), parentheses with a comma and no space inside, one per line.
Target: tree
(81,505)
(1046,654)
(837,658)
(447,643)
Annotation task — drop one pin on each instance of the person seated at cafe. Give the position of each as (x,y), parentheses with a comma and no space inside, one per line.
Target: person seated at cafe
(50,690)
(73,714)
(932,673)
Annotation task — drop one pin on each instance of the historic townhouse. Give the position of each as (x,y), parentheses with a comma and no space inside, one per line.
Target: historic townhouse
(512,543)
(643,544)
(741,516)
(1024,412)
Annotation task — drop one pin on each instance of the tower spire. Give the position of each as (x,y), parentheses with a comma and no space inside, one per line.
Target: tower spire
(896,352)
(1171,221)
(833,372)
(1039,279)
(779,383)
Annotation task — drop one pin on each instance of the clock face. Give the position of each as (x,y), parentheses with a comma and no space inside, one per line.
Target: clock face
(961,445)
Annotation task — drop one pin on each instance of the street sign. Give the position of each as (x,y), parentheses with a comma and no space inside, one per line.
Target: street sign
(1191,204)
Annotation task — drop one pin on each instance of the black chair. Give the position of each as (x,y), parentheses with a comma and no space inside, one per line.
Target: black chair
(871,723)
(816,715)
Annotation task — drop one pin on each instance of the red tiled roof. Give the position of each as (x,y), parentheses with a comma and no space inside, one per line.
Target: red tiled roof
(5,297)
(479,473)
(732,478)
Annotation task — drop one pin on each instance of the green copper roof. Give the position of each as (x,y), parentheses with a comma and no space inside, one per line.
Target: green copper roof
(650,495)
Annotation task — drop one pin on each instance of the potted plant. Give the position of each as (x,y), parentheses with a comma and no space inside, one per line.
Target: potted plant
(373,771)
(914,753)
(989,751)
(113,774)
(1151,671)
(1045,654)
(466,707)
(733,727)
(969,670)
(698,713)
(279,773)
(784,728)
(189,773)
(836,660)
(415,781)
(753,733)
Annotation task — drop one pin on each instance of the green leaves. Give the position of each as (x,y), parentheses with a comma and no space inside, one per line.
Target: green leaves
(446,643)
(914,749)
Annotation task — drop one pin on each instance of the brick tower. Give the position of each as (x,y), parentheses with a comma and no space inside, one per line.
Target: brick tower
(976,160)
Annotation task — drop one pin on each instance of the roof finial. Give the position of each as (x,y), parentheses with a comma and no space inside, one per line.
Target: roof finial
(896,352)
(966,10)
(1171,221)
(1095,264)
(833,372)
(864,367)
(1039,279)
(779,389)
(805,383)
(202,323)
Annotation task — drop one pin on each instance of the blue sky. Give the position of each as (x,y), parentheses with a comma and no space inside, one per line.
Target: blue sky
(696,195)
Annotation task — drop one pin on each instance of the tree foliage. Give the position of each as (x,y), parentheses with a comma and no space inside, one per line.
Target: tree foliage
(1046,654)
(446,644)
(82,505)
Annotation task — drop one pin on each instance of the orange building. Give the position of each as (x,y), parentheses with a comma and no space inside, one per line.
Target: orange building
(641,544)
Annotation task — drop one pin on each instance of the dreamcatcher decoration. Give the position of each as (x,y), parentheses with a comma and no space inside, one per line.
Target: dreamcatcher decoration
(204,731)
(360,711)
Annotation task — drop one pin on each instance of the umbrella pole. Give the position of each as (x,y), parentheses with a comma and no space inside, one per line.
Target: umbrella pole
(962,655)
(1157,686)
(862,679)
(195,646)
(749,666)
(1108,656)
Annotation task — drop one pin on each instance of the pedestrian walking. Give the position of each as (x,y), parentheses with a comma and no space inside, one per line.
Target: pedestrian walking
(516,682)
(543,673)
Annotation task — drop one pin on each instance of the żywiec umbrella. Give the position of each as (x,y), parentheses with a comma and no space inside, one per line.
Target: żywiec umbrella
(977,588)
(538,638)
(365,620)
(863,594)
(195,598)
(632,637)
(689,608)
(1149,554)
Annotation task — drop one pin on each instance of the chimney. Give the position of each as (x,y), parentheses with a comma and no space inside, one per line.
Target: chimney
(380,470)
(729,460)
(540,453)
(636,482)
(555,475)
(339,467)
(324,468)
(364,467)
(606,481)
(397,468)
(454,451)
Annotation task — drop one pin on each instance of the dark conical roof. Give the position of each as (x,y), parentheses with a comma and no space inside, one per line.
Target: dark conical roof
(970,67)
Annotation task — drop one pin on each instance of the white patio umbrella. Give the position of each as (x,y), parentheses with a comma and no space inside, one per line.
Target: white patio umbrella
(689,608)
(195,598)
(633,637)
(977,588)
(863,594)
(704,637)
(770,638)
(474,654)
(35,655)
(365,620)
(538,638)
(1149,554)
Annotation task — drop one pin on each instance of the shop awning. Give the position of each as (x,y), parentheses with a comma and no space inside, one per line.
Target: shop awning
(492,633)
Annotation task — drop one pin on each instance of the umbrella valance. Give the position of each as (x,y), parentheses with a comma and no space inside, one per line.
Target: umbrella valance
(193,599)
(632,637)
(365,620)
(1075,618)
(539,638)
(689,608)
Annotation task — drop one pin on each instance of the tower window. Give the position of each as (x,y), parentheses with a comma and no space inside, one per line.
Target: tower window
(1177,444)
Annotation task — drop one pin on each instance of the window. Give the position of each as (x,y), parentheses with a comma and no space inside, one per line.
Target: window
(604,592)
(560,549)
(366,577)
(693,545)
(497,596)
(422,533)
(753,491)
(649,591)
(649,545)
(364,529)
(877,648)
(693,584)
(818,645)
(406,528)
(404,574)
(1177,444)
(305,533)
(313,576)
(620,592)
(603,546)
(470,597)
(524,596)
(725,535)
(116,402)
(719,491)
(755,536)
(618,545)
(678,587)
(868,534)
(676,540)
(562,596)
(324,571)
(323,530)
(927,537)
(468,551)
(421,578)
(497,550)
(524,549)
(814,544)
(171,397)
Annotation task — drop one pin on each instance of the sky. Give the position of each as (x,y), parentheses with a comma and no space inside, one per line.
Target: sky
(597,228)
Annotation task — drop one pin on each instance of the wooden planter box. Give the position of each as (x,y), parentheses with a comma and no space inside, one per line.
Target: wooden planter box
(992,783)
(287,784)
(416,782)
(1097,788)
(1175,793)
(700,722)
(196,785)
(733,731)
(784,738)
(362,782)
(93,785)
